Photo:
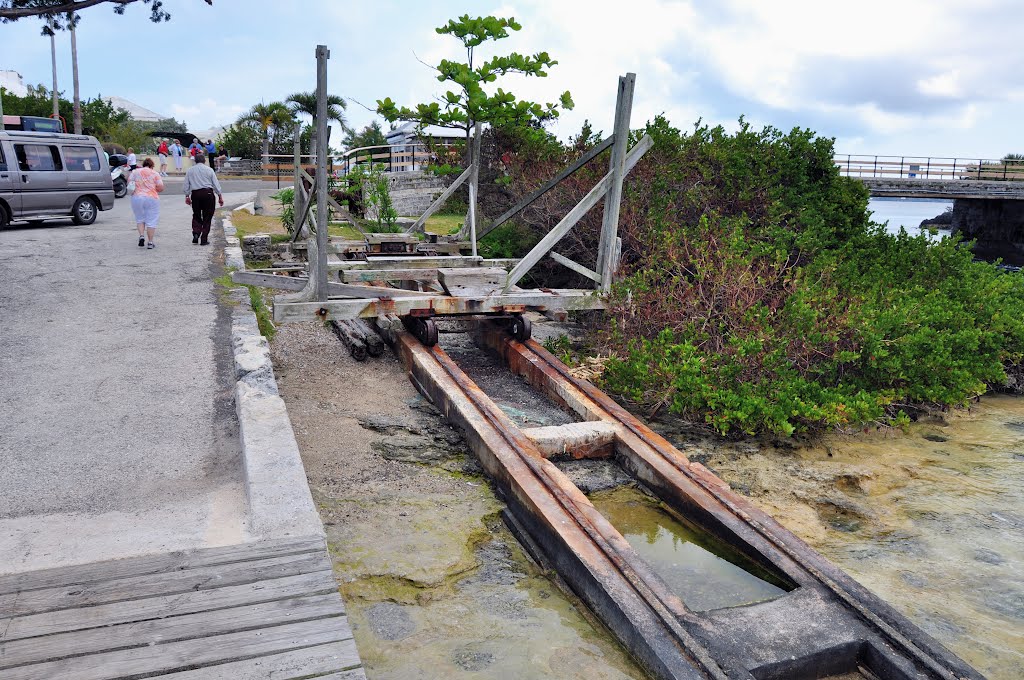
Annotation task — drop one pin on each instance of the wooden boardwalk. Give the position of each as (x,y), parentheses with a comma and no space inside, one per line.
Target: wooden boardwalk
(257,610)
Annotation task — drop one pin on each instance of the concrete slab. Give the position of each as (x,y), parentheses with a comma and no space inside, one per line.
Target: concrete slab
(119,436)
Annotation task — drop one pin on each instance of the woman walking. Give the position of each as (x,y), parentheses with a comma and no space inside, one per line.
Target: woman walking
(146,201)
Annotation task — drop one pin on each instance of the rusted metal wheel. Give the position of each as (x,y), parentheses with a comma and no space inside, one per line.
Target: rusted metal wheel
(520,328)
(425,330)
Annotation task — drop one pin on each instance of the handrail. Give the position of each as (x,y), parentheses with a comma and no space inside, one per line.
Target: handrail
(929,168)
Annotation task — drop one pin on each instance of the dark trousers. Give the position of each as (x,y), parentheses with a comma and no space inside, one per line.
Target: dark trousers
(203,205)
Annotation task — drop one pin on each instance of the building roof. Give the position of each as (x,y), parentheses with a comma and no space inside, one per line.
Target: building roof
(407,131)
(137,112)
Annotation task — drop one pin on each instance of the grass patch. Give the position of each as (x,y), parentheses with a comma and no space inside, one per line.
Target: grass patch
(263,316)
(442,225)
(246,223)
(344,230)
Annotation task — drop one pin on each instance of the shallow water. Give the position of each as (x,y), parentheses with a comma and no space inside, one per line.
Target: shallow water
(907,213)
(932,521)
(705,573)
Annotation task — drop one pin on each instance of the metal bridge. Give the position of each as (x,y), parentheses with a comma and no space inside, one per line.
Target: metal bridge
(934,177)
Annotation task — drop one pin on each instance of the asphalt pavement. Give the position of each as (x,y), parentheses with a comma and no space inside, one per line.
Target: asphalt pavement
(118,435)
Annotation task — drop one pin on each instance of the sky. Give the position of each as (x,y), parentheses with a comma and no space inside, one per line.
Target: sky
(939,78)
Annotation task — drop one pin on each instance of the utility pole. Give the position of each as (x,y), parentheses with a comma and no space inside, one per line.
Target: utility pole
(74,74)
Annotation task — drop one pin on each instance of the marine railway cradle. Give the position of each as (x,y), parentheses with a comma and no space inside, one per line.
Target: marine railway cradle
(826,625)
(821,624)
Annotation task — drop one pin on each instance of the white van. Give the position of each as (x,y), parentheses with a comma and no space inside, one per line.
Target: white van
(49,174)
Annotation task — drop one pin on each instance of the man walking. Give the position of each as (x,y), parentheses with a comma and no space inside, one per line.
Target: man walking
(200,186)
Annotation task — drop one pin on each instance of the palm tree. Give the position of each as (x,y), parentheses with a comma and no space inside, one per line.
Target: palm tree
(304,104)
(274,114)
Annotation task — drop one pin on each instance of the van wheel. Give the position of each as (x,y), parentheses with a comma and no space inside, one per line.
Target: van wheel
(5,219)
(84,211)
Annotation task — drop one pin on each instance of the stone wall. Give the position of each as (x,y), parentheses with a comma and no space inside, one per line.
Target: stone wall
(411,192)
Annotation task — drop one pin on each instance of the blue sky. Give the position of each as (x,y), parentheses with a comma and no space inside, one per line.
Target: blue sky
(894,77)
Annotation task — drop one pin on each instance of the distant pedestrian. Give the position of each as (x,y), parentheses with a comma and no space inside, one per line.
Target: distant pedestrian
(146,201)
(176,152)
(162,151)
(211,152)
(221,160)
(132,160)
(200,186)
(194,148)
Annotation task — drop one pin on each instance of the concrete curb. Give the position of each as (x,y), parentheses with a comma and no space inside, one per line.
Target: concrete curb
(280,503)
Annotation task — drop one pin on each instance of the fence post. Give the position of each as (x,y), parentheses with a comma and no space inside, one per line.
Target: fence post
(620,145)
(1004,170)
(874,170)
(953,176)
(927,168)
(979,168)
(901,166)
(322,55)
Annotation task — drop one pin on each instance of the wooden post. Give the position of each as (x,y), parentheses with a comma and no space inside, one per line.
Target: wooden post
(320,275)
(299,205)
(469,227)
(610,225)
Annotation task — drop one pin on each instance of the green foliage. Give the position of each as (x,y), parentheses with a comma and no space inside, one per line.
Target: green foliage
(756,296)
(57,17)
(264,317)
(509,240)
(287,199)
(371,135)
(468,102)
(378,199)
(99,118)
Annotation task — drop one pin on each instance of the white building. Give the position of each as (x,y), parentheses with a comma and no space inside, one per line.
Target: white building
(137,112)
(13,83)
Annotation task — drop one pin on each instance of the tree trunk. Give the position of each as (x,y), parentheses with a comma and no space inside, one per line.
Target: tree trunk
(74,77)
(53,60)
(266,149)
(312,141)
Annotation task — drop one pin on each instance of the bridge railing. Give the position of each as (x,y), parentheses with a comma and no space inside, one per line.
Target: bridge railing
(930,168)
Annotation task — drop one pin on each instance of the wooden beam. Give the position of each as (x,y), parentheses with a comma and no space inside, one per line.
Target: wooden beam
(440,200)
(574,216)
(575,266)
(294,283)
(546,187)
(610,223)
(318,267)
(442,305)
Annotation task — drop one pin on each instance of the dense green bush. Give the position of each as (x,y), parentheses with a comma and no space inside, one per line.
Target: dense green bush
(756,296)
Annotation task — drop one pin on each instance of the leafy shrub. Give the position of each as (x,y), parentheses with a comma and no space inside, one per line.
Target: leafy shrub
(756,296)
(286,197)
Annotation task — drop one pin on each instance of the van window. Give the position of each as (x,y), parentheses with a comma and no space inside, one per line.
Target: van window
(81,158)
(3,161)
(38,157)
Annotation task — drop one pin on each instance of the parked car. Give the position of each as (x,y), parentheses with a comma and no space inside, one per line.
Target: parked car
(50,174)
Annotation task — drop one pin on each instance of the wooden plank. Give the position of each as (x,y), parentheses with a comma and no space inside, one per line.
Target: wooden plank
(574,216)
(47,623)
(417,262)
(440,200)
(354,275)
(575,266)
(184,654)
(617,169)
(592,439)
(152,564)
(323,608)
(310,662)
(544,188)
(471,281)
(440,305)
(162,583)
(294,283)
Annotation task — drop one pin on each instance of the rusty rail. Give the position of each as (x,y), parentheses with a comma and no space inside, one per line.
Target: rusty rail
(601,567)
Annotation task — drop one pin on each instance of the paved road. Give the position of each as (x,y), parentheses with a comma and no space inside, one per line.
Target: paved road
(118,435)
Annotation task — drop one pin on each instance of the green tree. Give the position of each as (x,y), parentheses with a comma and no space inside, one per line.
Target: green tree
(304,104)
(57,13)
(371,135)
(270,118)
(467,102)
